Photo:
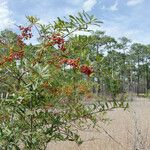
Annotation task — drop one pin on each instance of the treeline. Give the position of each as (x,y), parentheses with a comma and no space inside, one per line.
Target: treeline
(121,66)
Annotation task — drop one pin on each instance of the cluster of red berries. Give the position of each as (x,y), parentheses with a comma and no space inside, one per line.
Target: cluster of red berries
(25,32)
(72,62)
(13,56)
(17,55)
(20,42)
(57,39)
(75,64)
(86,70)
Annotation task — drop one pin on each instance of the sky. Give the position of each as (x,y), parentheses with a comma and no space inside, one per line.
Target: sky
(120,18)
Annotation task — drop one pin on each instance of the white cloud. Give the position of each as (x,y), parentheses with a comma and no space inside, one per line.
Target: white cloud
(75,2)
(103,7)
(119,27)
(89,4)
(114,7)
(5,15)
(117,30)
(134,2)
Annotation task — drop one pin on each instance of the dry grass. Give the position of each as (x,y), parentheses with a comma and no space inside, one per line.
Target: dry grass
(128,130)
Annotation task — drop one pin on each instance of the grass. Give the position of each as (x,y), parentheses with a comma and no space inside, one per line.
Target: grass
(128,130)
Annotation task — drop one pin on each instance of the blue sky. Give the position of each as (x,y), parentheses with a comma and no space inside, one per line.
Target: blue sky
(128,18)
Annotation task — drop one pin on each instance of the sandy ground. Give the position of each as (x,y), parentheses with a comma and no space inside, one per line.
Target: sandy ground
(128,130)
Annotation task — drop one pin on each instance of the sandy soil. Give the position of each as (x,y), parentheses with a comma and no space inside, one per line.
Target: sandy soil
(128,130)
